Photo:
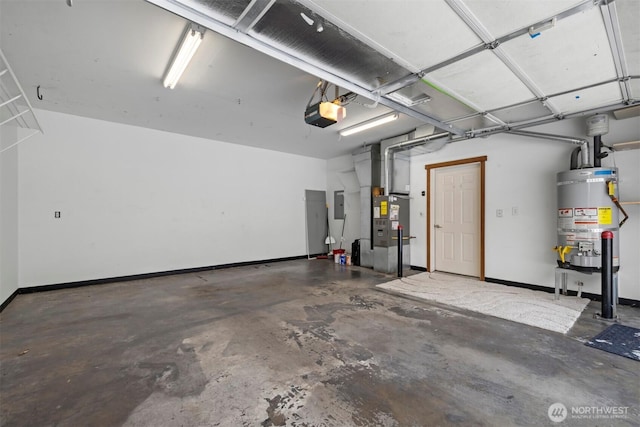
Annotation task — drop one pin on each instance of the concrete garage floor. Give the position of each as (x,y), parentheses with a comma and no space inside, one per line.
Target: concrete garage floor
(299,343)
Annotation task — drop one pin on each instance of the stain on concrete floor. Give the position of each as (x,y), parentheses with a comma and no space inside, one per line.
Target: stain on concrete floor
(300,343)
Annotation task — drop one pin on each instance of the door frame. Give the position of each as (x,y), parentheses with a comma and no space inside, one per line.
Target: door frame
(429,169)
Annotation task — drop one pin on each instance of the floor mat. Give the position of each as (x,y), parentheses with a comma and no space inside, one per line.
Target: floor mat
(533,308)
(618,339)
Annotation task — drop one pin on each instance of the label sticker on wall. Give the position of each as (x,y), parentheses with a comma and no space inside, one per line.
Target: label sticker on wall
(604,215)
(383,208)
(376,211)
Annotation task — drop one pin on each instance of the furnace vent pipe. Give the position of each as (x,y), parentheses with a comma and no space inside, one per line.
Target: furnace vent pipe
(583,143)
(574,157)
(405,144)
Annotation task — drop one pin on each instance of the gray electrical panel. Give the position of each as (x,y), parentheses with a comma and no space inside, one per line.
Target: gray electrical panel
(388,213)
(338,204)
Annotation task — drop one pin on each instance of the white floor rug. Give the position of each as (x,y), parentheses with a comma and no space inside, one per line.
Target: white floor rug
(533,308)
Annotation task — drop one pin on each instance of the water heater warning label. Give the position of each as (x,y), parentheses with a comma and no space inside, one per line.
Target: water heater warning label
(604,215)
(565,213)
(578,218)
(589,213)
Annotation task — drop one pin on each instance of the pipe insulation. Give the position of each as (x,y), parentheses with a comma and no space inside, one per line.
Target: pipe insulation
(583,143)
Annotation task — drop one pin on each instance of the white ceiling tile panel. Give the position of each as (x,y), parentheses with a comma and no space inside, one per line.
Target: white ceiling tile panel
(628,15)
(483,80)
(418,34)
(574,53)
(598,96)
(502,17)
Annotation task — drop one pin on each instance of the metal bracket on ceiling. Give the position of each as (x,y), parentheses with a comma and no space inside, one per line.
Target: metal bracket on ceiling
(493,45)
(322,88)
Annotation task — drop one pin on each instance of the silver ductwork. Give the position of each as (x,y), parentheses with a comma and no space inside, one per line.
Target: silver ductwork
(406,145)
(369,168)
(395,164)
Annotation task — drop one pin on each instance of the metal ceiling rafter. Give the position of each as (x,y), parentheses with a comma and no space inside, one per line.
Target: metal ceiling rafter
(545,100)
(516,105)
(492,44)
(576,89)
(585,5)
(547,119)
(252,14)
(525,79)
(612,27)
(471,20)
(179,8)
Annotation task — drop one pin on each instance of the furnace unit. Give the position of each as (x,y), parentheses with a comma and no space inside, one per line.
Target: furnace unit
(389,212)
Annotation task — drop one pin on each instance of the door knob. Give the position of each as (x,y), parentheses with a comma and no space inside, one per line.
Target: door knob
(437,226)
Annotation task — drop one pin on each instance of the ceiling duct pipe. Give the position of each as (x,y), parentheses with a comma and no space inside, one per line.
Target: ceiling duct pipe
(405,145)
(597,126)
(583,143)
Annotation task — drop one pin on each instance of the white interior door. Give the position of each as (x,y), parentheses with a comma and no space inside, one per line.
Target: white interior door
(457,219)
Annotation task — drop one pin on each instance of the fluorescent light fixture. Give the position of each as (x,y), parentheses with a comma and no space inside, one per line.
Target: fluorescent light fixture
(369,124)
(189,44)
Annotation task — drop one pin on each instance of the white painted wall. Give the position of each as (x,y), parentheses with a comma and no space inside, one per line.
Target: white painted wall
(136,200)
(341,176)
(8,213)
(521,172)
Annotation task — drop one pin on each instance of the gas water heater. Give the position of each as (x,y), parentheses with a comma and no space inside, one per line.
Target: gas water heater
(587,206)
(586,209)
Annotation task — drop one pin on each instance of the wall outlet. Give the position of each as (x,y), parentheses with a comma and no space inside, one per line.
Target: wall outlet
(56,214)
(499,213)
(514,211)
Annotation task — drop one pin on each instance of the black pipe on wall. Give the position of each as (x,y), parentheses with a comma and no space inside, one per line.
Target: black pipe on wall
(399,251)
(606,285)
(597,147)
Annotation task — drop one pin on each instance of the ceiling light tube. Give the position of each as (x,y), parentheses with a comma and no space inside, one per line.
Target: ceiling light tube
(369,124)
(188,46)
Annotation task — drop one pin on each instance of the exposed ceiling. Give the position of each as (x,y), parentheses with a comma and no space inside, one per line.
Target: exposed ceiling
(487,65)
